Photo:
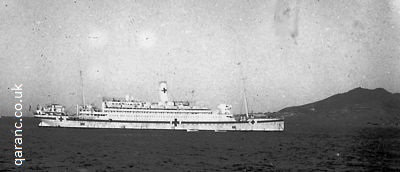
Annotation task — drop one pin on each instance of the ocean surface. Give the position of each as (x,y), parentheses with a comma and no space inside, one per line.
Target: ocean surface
(61,149)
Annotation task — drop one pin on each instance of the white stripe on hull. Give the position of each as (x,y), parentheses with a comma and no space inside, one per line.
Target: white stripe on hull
(258,126)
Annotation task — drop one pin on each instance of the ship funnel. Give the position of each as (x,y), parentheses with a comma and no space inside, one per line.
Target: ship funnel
(163,92)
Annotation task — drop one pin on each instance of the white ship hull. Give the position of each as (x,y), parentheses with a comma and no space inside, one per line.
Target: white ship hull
(164,115)
(253,125)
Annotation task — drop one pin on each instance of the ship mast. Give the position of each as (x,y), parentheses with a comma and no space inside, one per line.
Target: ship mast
(83,91)
(244,90)
(245,102)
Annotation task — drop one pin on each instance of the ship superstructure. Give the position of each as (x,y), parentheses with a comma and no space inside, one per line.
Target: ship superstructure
(129,113)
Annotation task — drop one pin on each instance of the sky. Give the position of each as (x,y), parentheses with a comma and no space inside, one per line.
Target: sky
(282,53)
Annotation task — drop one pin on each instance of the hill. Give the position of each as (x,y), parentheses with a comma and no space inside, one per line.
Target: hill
(356,108)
